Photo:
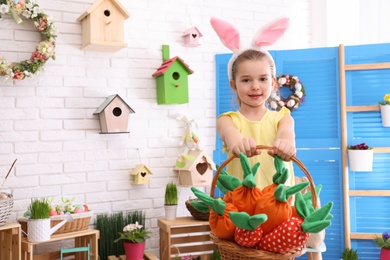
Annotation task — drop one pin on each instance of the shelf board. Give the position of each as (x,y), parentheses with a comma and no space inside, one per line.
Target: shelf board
(364,236)
(369,193)
(368,66)
(362,108)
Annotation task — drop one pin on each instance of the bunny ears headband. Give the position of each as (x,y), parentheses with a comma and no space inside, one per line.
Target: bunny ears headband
(266,36)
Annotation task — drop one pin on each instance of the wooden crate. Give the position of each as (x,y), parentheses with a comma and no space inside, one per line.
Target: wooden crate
(185,236)
(10,238)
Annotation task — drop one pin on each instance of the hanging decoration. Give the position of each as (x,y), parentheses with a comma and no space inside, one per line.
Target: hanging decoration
(45,49)
(292,102)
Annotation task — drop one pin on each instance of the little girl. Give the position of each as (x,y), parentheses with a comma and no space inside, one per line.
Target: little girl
(252,77)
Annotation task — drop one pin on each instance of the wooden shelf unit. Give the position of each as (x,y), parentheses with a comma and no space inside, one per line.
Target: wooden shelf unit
(344,109)
(10,245)
(81,238)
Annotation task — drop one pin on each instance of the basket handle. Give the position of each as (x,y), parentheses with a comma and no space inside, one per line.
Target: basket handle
(264,147)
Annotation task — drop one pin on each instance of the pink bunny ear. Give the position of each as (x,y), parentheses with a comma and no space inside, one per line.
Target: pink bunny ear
(228,34)
(271,33)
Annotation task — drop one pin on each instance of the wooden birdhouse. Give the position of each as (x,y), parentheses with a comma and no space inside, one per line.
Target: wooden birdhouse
(114,115)
(196,169)
(141,174)
(103,26)
(191,37)
(172,80)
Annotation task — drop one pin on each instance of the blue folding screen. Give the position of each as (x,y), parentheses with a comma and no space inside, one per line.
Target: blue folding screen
(318,130)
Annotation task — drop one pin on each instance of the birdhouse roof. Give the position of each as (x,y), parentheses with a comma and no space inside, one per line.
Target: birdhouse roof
(168,63)
(108,101)
(138,168)
(98,2)
(197,154)
(192,30)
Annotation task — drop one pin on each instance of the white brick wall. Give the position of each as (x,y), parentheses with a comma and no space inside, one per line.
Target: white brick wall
(47,122)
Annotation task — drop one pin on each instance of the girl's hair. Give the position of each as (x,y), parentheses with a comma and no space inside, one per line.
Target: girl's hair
(253,55)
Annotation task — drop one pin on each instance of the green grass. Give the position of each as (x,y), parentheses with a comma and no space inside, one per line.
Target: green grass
(171,196)
(39,208)
(109,226)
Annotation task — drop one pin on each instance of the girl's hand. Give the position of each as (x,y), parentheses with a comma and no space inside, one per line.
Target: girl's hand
(246,146)
(283,148)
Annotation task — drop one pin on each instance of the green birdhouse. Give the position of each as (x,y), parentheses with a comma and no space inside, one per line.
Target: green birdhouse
(172,79)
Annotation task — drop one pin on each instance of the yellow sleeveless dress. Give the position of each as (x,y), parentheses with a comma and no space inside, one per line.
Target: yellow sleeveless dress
(263,132)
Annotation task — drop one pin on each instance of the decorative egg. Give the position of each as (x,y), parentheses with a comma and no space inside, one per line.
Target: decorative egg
(3,62)
(3,196)
(78,210)
(298,86)
(17,6)
(282,81)
(53,212)
(86,209)
(16,2)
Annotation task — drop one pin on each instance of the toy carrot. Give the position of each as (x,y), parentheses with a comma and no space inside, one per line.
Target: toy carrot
(219,220)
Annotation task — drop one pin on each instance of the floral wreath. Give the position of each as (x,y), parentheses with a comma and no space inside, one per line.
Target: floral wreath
(292,102)
(45,49)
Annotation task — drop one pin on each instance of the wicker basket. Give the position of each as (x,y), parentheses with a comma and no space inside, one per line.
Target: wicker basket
(80,222)
(195,213)
(6,206)
(231,251)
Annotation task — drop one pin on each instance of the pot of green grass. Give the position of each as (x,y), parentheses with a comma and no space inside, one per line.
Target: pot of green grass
(171,199)
(38,224)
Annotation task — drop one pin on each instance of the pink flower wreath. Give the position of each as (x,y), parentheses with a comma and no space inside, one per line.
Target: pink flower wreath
(45,49)
(276,101)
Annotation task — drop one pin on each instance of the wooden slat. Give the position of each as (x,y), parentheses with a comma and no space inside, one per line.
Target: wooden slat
(190,239)
(381,149)
(363,236)
(368,66)
(369,193)
(362,108)
(343,117)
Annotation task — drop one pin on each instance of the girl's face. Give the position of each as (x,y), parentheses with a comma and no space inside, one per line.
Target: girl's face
(253,83)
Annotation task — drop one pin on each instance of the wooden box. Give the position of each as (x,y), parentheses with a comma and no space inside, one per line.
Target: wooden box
(10,238)
(185,236)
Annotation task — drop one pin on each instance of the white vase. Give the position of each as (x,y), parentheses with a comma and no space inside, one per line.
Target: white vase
(170,212)
(385,115)
(361,160)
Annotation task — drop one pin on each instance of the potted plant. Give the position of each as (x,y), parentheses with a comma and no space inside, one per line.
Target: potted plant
(170,201)
(349,254)
(38,225)
(134,236)
(109,226)
(385,110)
(383,243)
(360,157)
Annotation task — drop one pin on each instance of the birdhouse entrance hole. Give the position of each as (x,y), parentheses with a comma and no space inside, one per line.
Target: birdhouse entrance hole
(194,35)
(107,13)
(175,75)
(201,168)
(117,111)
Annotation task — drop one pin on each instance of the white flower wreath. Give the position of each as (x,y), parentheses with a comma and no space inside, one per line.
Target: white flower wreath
(292,102)
(45,49)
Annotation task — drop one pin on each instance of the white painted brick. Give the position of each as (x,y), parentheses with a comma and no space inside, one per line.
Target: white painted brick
(62,135)
(35,147)
(85,166)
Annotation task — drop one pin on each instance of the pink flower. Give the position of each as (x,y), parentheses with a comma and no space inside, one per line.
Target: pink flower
(42,24)
(38,56)
(18,75)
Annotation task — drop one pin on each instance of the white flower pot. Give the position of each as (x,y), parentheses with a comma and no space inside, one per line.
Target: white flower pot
(361,160)
(170,212)
(38,230)
(385,114)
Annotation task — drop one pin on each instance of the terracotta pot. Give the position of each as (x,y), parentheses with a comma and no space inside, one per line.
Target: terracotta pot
(134,251)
